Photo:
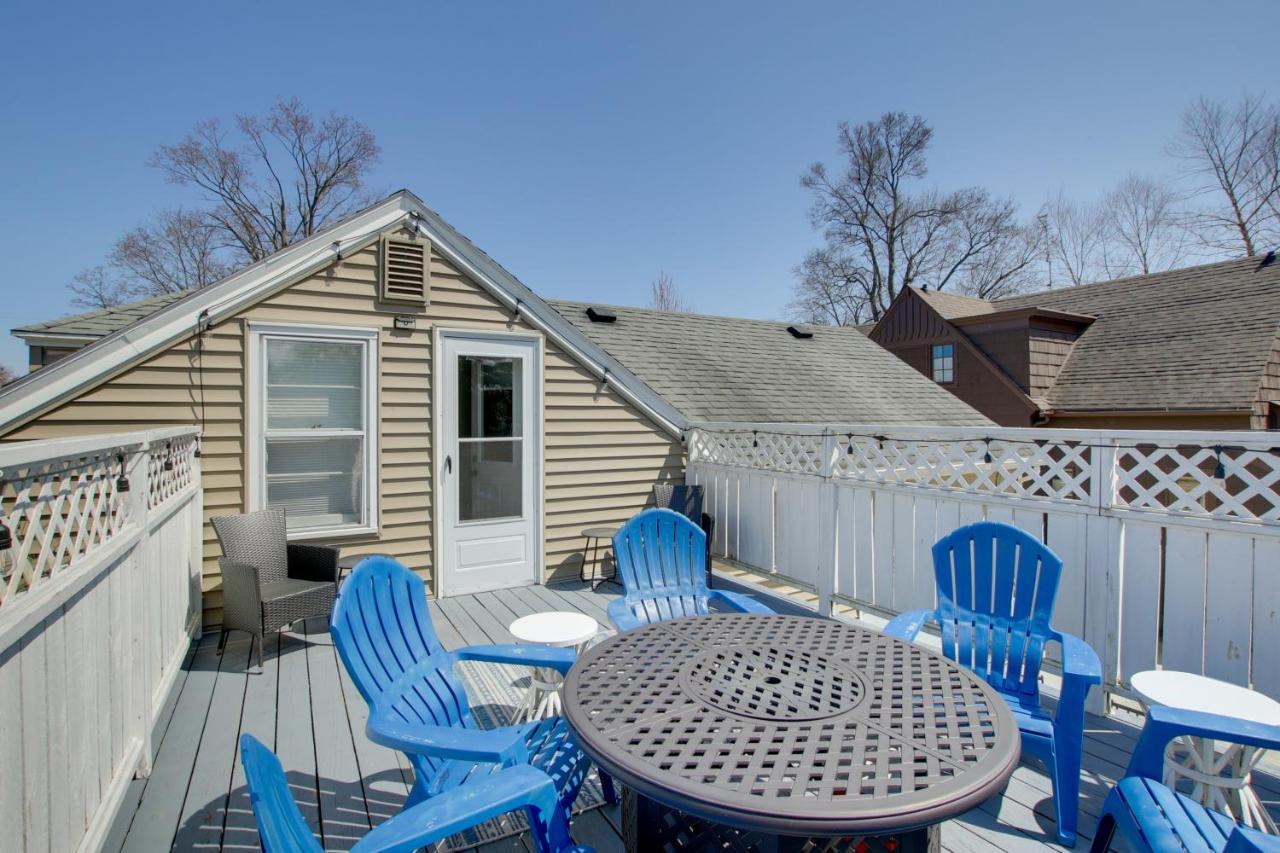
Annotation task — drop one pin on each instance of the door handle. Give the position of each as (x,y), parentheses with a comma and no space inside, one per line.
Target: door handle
(448,464)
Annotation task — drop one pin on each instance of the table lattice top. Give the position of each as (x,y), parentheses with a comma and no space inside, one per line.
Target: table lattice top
(791,724)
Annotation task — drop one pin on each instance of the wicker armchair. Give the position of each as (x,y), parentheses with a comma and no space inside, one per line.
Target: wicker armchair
(269,583)
(687,500)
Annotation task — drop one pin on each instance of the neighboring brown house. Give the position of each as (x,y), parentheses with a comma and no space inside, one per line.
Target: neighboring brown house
(1194,348)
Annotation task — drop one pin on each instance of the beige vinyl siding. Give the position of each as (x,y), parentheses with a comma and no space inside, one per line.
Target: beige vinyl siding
(602,456)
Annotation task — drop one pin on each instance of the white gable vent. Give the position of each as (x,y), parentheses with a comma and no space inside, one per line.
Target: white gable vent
(405,275)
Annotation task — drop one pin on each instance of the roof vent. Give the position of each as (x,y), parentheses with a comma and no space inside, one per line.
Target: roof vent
(405,274)
(601,315)
(1268,260)
(797,332)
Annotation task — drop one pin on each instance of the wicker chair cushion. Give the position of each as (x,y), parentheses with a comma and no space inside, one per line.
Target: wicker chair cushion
(284,602)
(256,539)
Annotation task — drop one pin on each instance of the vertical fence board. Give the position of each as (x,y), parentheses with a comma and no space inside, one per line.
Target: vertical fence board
(904,553)
(1265,658)
(1183,646)
(924,593)
(1139,599)
(865,516)
(882,551)
(1228,608)
(35,744)
(847,542)
(12,779)
(1067,539)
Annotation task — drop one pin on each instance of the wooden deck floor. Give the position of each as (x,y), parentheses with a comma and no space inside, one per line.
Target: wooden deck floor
(303,705)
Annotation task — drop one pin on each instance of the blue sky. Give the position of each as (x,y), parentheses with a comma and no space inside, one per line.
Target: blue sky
(589,145)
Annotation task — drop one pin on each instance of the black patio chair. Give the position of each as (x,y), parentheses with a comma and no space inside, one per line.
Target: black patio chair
(269,583)
(687,500)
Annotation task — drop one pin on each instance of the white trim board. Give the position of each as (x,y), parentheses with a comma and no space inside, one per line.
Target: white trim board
(30,396)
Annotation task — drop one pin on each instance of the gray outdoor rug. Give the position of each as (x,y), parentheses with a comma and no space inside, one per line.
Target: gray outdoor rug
(497,692)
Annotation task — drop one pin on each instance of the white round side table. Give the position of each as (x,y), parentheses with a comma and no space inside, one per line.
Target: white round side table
(557,628)
(1220,780)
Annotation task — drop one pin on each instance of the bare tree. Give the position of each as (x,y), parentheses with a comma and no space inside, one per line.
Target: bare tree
(664,296)
(1233,151)
(1077,236)
(829,290)
(277,179)
(288,176)
(97,287)
(883,234)
(176,252)
(6,375)
(1143,227)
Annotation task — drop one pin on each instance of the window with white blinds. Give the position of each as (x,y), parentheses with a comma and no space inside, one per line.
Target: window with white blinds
(313,427)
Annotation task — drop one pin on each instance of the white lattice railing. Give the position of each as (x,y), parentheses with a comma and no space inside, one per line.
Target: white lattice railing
(100,559)
(1229,476)
(1170,540)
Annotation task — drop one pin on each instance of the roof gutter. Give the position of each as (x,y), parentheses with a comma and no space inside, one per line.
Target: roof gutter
(54,339)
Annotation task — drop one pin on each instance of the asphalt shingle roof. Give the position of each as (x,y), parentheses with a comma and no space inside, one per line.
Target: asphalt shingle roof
(1194,338)
(952,305)
(727,369)
(104,321)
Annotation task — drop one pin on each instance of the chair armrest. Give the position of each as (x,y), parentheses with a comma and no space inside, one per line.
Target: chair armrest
(496,746)
(1079,660)
(906,626)
(738,601)
(621,616)
(1165,724)
(1244,839)
(241,594)
(461,808)
(530,654)
(313,562)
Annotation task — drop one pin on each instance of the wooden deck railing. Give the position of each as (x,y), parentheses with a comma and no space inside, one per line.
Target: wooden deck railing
(1171,539)
(100,556)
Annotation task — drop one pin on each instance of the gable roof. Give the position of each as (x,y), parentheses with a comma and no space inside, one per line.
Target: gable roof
(25,398)
(1192,339)
(952,305)
(728,369)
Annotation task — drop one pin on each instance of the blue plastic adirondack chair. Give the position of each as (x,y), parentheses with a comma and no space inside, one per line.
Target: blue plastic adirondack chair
(382,628)
(1152,817)
(996,589)
(661,559)
(283,829)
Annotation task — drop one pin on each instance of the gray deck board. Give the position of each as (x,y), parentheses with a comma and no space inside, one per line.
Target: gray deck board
(304,706)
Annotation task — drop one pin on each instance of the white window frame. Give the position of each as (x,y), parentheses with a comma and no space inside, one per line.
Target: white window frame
(948,359)
(255,453)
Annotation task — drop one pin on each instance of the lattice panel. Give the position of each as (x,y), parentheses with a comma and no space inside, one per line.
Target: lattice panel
(57,511)
(812,718)
(171,469)
(1041,469)
(1210,482)
(773,451)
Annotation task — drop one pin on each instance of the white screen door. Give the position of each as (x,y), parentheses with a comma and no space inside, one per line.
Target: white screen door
(487,465)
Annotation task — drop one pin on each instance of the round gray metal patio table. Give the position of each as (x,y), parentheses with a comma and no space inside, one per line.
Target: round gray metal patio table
(742,731)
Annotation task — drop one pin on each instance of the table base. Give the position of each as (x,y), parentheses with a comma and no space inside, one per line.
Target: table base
(542,699)
(1219,780)
(651,826)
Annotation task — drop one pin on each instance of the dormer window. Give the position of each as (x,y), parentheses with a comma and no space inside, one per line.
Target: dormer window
(944,363)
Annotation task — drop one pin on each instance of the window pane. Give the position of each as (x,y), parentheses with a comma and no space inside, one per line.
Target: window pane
(314,384)
(319,481)
(489,481)
(489,397)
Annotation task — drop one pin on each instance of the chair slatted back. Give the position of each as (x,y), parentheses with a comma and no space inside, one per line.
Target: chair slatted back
(661,558)
(382,627)
(281,826)
(996,591)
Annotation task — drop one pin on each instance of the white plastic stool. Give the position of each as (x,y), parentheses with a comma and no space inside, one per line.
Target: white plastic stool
(561,629)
